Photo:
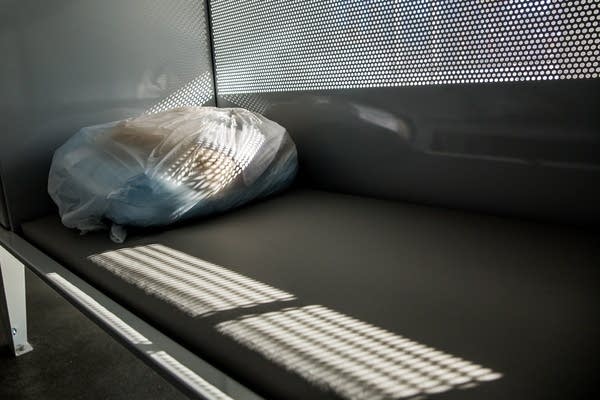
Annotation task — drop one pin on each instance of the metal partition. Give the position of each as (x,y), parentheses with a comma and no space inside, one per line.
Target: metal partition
(483,105)
(68,64)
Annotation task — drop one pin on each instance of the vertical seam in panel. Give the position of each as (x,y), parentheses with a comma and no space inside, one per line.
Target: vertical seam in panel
(211,43)
(4,203)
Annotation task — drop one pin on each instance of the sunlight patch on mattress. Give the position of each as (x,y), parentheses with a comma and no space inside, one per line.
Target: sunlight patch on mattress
(350,357)
(195,286)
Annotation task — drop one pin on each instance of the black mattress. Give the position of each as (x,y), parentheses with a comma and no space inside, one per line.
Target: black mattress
(518,297)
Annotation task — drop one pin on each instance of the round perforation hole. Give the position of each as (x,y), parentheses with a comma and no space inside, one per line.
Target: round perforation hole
(297,45)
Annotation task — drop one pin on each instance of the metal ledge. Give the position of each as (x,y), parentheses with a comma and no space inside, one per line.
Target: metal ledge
(192,375)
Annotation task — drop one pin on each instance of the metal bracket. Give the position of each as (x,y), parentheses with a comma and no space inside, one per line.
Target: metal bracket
(12,297)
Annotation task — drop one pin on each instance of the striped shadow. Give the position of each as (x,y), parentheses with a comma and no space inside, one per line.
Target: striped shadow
(195,286)
(357,360)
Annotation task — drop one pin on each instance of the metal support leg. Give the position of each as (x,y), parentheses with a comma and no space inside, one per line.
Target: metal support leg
(12,301)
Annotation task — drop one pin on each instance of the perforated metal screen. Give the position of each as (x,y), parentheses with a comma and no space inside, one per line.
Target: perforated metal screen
(192,85)
(286,45)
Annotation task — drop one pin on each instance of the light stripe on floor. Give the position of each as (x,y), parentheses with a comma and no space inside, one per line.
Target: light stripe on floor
(193,285)
(353,358)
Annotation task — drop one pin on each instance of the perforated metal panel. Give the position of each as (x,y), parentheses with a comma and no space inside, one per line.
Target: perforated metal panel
(285,45)
(487,105)
(195,93)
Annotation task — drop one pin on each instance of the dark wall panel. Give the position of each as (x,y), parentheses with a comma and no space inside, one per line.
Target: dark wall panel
(528,150)
(3,212)
(482,105)
(67,64)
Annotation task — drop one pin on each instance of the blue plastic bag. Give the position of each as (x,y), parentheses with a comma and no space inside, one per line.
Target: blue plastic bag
(160,168)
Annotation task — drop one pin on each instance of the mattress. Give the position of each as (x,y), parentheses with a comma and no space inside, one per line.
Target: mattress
(512,300)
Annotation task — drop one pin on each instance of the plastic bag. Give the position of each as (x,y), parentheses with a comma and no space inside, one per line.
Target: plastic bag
(160,168)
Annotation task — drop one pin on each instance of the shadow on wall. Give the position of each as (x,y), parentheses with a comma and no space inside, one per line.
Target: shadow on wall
(324,125)
(21,13)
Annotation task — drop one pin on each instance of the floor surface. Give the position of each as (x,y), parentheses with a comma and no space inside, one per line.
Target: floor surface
(73,358)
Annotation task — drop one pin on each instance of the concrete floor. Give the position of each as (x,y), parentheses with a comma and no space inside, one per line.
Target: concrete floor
(73,358)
